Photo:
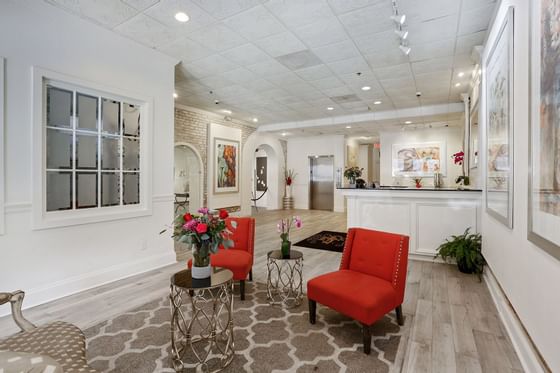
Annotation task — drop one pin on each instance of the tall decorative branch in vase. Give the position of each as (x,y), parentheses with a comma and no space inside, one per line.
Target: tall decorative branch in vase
(289,177)
(459,159)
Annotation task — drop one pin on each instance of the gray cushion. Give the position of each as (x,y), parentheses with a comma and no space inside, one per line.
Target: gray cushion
(22,362)
(62,341)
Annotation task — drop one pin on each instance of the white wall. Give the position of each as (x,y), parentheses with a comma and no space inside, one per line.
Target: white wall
(527,274)
(299,151)
(51,263)
(452,136)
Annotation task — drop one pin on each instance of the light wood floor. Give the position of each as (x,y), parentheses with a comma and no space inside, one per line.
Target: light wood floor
(454,324)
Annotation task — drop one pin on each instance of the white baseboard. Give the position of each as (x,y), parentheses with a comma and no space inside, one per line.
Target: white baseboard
(529,357)
(76,284)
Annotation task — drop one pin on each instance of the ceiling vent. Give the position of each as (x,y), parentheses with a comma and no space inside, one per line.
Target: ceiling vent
(345,99)
(299,60)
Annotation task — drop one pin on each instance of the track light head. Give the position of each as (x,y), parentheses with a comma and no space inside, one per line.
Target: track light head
(399,18)
(406,50)
(402,34)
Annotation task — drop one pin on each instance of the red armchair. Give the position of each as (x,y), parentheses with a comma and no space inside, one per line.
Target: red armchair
(239,258)
(370,282)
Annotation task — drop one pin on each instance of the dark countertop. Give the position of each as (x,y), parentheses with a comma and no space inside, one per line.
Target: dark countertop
(429,189)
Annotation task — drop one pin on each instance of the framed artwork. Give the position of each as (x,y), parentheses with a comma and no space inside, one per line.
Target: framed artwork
(261,174)
(473,138)
(418,160)
(544,143)
(499,124)
(226,166)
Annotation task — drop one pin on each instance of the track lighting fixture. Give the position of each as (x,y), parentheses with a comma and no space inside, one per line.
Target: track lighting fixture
(399,18)
(402,34)
(405,49)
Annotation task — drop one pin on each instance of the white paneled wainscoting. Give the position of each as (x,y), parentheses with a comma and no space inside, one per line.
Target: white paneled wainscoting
(428,217)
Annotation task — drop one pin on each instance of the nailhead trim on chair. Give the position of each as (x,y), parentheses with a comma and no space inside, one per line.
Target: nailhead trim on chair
(398,262)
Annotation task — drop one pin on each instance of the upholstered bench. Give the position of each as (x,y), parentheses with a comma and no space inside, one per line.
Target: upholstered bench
(36,348)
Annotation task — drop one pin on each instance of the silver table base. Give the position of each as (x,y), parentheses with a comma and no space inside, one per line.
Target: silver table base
(284,283)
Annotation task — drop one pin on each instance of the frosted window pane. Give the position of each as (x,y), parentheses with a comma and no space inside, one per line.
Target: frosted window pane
(59,107)
(111,116)
(59,190)
(131,120)
(86,112)
(110,153)
(131,155)
(86,190)
(131,188)
(110,193)
(86,151)
(59,149)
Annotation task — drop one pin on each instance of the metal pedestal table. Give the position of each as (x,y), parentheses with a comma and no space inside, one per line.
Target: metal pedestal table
(284,283)
(202,329)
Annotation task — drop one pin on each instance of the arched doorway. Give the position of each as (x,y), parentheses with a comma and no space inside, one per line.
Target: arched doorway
(188,179)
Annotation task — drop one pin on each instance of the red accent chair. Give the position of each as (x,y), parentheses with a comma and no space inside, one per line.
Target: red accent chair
(239,258)
(370,282)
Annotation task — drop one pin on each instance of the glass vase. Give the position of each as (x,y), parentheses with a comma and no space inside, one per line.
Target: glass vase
(201,260)
(286,246)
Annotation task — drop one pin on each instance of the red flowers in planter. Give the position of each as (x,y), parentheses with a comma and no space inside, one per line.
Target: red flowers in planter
(458,157)
(201,228)
(223,214)
(187,217)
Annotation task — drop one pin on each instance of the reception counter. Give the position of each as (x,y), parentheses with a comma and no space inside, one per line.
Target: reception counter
(427,216)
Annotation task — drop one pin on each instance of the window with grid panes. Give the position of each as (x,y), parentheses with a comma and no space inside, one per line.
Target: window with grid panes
(92,150)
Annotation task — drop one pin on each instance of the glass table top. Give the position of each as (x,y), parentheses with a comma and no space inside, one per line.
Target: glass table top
(219,277)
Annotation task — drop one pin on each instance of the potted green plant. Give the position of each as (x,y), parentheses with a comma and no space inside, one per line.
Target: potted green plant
(466,250)
(352,173)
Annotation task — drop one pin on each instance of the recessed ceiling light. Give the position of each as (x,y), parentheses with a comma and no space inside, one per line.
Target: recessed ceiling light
(399,18)
(406,50)
(377,103)
(175,95)
(330,108)
(284,134)
(226,111)
(182,17)
(457,84)
(402,34)
(407,122)
(461,74)
(348,127)
(255,120)
(366,88)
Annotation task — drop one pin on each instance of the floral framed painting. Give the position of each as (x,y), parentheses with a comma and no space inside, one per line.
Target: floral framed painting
(498,77)
(226,166)
(418,160)
(544,143)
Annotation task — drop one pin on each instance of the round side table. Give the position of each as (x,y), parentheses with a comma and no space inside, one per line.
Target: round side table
(284,283)
(202,329)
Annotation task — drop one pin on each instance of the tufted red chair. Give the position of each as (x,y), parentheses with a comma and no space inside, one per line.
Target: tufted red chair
(369,283)
(239,258)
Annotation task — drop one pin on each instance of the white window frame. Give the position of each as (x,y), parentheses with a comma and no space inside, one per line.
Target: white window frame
(2,160)
(51,219)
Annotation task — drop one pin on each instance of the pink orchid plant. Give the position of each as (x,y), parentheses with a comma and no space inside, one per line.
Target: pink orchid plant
(285,225)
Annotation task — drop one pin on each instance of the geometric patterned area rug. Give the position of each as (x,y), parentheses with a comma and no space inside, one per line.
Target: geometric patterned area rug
(325,240)
(267,338)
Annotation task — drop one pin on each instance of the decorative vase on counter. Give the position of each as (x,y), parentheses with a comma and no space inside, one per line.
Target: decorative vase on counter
(286,247)
(201,260)
(288,191)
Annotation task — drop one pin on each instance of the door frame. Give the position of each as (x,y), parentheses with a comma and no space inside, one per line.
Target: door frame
(200,170)
(310,159)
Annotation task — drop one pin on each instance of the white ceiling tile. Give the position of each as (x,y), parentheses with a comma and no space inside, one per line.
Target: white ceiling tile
(467,42)
(246,54)
(234,90)
(299,60)
(344,6)
(217,37)
(255,23)
(474,4)
(146,31)
(164,11)
(428,10)
(239,75)
(395,71)
(323,32)
(186,50)
(475,20)
(434,64)
(336,52)
(351,65)
(397,83)
(214,64)
(108,13)
(267,67)
(334,92)
(258,85)
(369,20)
(387,58)
(327,83)
(378,43)
(440,48)
(314,72)
(280,44)
(286,78)
(433,30)
(215,82)
(141,4)
(299,13)
(463,61)
(221,9)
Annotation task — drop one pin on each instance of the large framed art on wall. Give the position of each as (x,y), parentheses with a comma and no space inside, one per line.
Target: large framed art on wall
(544,143)
(498,77)
(418,160)
(226,167)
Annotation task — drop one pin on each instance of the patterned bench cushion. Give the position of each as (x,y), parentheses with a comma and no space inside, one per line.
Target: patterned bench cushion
(17,362)
(62,341)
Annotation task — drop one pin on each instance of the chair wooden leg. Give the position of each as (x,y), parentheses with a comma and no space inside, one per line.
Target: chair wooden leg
(242,289)
(400,318)
(312,311)
(366,332)
(251,275)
